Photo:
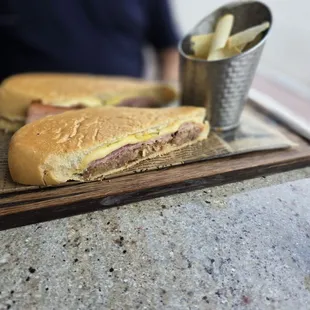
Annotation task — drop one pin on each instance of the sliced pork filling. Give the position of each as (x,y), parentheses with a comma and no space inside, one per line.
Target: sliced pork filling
(133,152)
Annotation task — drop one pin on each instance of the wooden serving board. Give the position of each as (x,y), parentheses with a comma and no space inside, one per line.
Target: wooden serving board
(221,160)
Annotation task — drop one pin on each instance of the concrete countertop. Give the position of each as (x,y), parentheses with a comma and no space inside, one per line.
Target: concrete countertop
(238,246)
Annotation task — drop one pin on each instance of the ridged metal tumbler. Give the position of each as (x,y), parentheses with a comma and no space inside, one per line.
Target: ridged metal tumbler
(223,85)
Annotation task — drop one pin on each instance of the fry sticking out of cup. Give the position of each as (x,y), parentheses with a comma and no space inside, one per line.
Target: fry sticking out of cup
(220,45)
(243,38)
(221,34)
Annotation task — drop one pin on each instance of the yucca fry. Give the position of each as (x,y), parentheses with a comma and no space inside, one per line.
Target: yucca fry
(241,39)
(224,53)
(220,45)
(221,33)
(245,47)
(253,43)
(239,47)
(201,44)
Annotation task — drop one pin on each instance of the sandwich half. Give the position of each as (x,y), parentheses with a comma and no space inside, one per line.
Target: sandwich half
(89,144)
(31,96)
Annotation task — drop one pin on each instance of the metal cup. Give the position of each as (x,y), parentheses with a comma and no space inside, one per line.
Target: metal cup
(222,86)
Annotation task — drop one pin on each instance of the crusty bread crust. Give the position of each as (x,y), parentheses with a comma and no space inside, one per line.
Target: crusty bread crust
(18,91)
(47,151)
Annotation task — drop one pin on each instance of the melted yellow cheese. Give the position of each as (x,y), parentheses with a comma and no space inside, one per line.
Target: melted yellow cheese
(116,99)
(132,139)
(113,99)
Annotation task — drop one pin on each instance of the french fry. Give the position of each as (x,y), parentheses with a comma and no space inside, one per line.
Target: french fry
(241,39)
(224,53)
(201,44)
(239,47)
(221,34)
(253,43)
(220,45)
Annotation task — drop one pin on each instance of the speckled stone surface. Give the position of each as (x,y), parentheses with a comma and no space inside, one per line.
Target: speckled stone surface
(239,246)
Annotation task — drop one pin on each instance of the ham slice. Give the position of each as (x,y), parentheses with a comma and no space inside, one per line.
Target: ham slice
(37,110)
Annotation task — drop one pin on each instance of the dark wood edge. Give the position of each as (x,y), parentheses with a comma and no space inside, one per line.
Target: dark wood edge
(174,174)
(117,199)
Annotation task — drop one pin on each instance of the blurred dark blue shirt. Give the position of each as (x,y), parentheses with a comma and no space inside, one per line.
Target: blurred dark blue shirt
(87,36)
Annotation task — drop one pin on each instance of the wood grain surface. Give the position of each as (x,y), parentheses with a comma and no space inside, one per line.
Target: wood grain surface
(32,205)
